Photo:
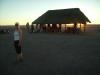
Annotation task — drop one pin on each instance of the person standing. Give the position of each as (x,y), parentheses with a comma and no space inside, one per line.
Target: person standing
(32,28)
(28,26)
(18,42)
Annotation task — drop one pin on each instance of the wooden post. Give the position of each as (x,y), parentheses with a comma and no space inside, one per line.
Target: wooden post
(48,27)
(65,27)
(84,27)
(59,29)
(75,27)
(80,26)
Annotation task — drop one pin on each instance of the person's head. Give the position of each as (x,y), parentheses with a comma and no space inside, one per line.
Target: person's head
(17,25)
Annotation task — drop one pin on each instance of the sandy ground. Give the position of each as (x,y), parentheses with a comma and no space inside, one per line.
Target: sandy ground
(52,54)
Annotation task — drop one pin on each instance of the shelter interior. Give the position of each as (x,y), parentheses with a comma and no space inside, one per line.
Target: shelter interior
(70,28)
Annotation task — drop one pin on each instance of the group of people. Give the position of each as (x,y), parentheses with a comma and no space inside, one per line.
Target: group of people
(30,29)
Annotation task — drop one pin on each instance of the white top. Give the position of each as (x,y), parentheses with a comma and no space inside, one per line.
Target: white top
(16,35)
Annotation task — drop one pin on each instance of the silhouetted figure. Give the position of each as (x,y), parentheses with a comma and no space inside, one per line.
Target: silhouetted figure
(32,28)
(74,30)
(27,26)
(44,28)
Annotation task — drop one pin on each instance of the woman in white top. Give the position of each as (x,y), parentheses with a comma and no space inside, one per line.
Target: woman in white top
(18,41)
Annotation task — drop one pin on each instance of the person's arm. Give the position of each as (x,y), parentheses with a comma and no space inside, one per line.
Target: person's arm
(20,37)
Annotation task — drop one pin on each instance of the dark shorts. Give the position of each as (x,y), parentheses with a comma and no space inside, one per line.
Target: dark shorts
(17,47)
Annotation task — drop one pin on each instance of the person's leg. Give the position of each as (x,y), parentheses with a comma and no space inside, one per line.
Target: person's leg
(21,57)
(18,57)
(20,53)
(17,52)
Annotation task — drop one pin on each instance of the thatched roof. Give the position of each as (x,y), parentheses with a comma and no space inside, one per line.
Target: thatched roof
(62,16)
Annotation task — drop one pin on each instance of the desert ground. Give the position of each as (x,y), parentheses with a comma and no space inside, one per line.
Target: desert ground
(52,54)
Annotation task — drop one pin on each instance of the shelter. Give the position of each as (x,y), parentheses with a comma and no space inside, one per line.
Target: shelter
(52,20)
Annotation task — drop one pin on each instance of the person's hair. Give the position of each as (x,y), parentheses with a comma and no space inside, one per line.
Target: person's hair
(16,24)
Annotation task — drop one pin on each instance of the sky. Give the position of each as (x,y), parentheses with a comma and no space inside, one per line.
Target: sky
(24,11)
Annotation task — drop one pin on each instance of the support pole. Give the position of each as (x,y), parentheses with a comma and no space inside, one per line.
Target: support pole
(85,27)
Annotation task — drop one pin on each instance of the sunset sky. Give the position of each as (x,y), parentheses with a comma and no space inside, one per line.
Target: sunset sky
(24,11)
